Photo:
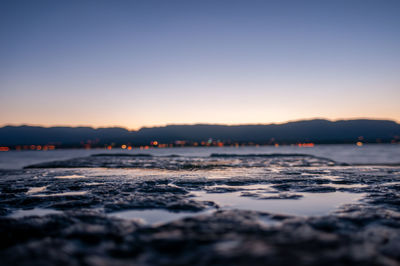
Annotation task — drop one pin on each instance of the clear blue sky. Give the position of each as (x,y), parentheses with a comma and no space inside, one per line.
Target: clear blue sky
(144,63)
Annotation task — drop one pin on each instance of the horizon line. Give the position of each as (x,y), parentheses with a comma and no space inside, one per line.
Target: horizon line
(198,123)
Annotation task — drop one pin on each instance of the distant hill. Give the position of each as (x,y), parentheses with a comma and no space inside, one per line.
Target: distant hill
(317,131)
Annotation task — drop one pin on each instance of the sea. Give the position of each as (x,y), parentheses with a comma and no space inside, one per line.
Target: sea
(367,154)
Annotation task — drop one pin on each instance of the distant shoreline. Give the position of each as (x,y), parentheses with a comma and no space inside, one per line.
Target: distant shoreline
(299,145)
(302,133)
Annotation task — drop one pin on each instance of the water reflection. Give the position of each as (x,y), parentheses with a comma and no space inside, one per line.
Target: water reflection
(310,204)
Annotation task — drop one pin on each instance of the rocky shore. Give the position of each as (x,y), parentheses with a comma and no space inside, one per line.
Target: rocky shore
(203,216)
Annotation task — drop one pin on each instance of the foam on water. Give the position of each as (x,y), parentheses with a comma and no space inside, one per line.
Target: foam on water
(33,212)
(154,217)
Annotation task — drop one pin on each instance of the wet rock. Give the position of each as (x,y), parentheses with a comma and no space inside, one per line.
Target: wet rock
(83,232)
(189,163)
(222,189)
(318,189)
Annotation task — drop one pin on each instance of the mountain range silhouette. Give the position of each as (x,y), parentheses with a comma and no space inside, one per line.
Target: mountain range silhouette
(316,131)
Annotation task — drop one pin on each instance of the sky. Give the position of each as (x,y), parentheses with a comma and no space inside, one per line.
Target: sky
(145,63)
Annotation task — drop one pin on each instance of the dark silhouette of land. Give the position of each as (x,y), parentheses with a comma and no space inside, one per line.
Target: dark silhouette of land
(315,131)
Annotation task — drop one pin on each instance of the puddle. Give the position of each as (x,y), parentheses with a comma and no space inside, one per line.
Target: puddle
(73,193)
(393,183)
(333,177)
(264,188)
(69,176)
(311,204)
(266,221)
(33,212)
(94,184)
(246,187)
(348,185)
(34,190)
(154,217)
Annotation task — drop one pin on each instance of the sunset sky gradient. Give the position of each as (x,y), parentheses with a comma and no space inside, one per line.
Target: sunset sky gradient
(145,63)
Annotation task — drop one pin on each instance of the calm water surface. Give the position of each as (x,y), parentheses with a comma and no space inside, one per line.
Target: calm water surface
(351,154)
